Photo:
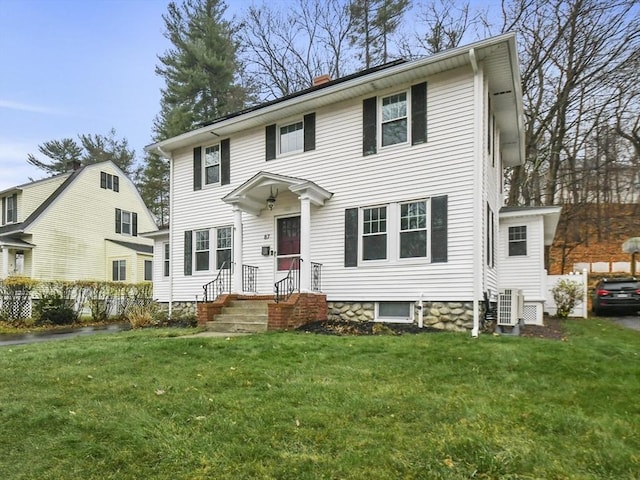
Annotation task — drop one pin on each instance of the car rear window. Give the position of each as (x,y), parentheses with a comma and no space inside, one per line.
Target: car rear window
(621,285)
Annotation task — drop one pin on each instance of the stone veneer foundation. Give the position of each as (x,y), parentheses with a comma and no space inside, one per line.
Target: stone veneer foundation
(452,316)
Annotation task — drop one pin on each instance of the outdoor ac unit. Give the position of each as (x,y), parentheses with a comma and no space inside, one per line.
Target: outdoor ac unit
(510,306)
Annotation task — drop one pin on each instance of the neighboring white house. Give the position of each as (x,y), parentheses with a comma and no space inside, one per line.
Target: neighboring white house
(79,225)
(387,184)
(524,234)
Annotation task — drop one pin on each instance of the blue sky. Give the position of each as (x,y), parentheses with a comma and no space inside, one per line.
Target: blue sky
(78,66)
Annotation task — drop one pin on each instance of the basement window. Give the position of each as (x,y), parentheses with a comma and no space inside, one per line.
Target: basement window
(394,312)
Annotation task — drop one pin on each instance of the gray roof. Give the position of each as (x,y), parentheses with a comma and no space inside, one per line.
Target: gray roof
(138,247)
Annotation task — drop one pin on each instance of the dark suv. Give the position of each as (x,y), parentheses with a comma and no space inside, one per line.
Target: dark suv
(616,294)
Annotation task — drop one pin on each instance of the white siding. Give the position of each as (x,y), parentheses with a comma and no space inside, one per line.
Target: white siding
(524,272)
(442,166)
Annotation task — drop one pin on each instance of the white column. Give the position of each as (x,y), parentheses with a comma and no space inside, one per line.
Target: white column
(305,243)
(5,262)
(237,250)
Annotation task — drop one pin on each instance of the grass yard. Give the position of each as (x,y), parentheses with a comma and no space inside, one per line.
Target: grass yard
(143,405)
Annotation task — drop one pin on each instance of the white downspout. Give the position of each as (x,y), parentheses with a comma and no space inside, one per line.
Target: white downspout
(478,96)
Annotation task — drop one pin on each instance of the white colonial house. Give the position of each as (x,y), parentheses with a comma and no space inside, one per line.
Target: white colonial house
(79,225)
(363,197)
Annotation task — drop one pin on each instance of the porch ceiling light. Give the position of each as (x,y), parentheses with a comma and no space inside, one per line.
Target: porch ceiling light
(271,199)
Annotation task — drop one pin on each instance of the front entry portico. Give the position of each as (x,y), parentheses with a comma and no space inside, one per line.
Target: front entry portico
(251,198)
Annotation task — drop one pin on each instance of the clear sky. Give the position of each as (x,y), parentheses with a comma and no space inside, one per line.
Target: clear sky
(78,66)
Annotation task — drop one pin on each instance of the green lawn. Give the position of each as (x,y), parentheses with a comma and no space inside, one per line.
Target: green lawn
(143,405)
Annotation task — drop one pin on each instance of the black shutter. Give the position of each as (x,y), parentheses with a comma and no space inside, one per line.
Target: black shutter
(4,210)
(225,162)
(439,229)
(134,224)
(116,183)
(197,168)
(118,220)
(270,139)
(188,262)
(351,237)
(369,126)
(103,180)
(419,113)
(309,132)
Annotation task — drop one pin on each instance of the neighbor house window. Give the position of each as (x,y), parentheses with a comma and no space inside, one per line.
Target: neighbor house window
(223,247)
(119,269)
(10,210)
(394,311)
(166,253)
(212,164)
(517,241)
(374,236)
(202,250)
(148,270)
(394,119)
(291,137)
(109,182)
(126,222)
(413,229)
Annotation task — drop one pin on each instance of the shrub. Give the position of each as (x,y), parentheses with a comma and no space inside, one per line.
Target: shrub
(567,294)
(54,309)
(143,315)
(15,297)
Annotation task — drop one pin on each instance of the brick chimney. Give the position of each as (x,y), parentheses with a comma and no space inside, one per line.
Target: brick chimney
(322,79)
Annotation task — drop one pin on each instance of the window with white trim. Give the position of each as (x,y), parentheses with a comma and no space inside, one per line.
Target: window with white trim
(119,270)
(211,165)
(393,119)
(394,311)
(148,270)
(517,241)
(10,213)
(224,239)
(374,233)
(413,229)
(291,137)
(202,250)
(125,225)
(166,257)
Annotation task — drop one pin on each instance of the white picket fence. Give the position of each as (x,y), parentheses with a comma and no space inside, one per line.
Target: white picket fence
(581,309)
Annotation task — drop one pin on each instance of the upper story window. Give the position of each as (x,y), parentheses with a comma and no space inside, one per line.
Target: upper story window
(10,209)
(212,164)
(517,241)
(126,222)
(109,182)
(290,137)
(394,119)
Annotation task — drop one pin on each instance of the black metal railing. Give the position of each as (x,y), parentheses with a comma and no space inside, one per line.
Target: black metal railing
(289,284)
(249,278)
(219,285)
(316,277)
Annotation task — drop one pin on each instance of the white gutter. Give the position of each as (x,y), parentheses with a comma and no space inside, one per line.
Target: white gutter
(478,94)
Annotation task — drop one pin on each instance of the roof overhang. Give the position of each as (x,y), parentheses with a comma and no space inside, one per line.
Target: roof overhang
(498,56)
(160,234)
(550,217)
(12,242)
(251,196)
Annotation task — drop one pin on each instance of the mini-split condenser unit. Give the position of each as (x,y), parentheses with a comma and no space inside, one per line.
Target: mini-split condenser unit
(510,306)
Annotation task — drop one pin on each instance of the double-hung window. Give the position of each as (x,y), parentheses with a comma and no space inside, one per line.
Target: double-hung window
(291,138)
(10,212)
(202,250)
(374,236)
(413,229)
(224,240)
(119,270)
(212,164)
(166,257)
(126,222)
(517,241)
(394,119)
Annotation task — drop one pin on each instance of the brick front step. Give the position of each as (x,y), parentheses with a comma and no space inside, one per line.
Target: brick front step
(236,327)
(247,316)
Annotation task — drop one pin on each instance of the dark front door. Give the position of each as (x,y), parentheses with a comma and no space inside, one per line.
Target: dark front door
(288,243)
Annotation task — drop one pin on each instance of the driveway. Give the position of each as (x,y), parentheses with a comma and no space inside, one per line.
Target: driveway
(629,321)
